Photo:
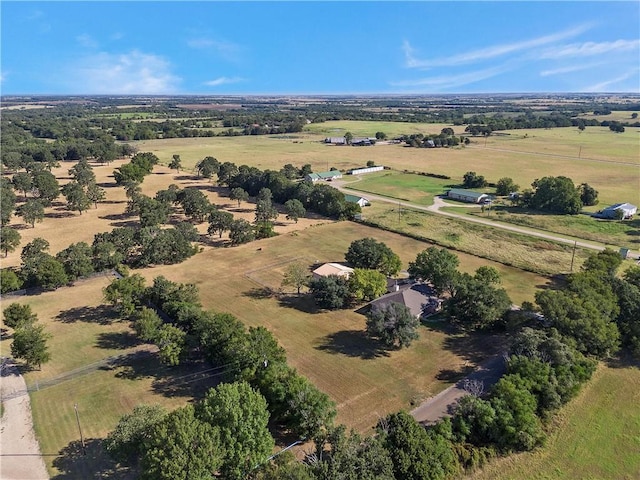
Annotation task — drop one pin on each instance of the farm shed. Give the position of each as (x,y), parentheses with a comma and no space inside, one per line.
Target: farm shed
(335,140)
(363,202)
(418,297)
(628,211)
(468,196)
(327,176)
(332,269)
(360,171)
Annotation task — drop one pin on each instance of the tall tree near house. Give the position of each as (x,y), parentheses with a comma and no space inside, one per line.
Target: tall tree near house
(436,266)
(368,253)
(296,275)
(588,194)
(393,324)
(126,441)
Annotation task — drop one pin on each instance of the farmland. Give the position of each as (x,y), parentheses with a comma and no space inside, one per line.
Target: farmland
(603,159)
(331,347)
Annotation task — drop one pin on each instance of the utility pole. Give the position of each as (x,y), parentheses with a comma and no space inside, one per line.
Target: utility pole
(573,255)
(84,450)
(580,151)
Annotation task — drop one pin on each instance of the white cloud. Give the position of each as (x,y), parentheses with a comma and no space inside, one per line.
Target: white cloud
(455,80)
(86,41)
(223,81)
(128,73)
(569,69)
(227,50)
(116,36)
(605,85)
(474,56)
(590,48)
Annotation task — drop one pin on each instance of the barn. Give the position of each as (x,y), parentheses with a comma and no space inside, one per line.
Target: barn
(468,196)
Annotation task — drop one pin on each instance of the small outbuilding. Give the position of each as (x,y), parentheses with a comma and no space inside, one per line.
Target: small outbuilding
(360,171)
(628,210)
(328,269)
(362,201)
(326,176)
(468,196)
(336,140)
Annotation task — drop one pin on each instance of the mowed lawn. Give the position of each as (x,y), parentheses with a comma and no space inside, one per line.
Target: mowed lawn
(523,155)
(409,187)
(596,436)
(330,347)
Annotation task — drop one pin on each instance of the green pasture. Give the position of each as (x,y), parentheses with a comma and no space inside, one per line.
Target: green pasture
(617,233)
(596,436)
(409,187)
(523,155)
(520,251)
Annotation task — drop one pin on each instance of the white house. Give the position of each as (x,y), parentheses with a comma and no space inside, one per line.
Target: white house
(362,201)
(468,196)
(628,211)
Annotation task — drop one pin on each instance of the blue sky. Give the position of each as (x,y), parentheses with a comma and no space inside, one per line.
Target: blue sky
(365,47)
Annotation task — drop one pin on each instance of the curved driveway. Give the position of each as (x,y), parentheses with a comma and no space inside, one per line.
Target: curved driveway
(438,203)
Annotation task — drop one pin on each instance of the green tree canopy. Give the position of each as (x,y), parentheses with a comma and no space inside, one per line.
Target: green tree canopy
(239,194)
(241,415)
(125,441)
(436,266)
(182,447)
(296,275)
(17,314)
(9,239)
(330,292)
(368,253)
(367,284)
(31,211)
(294,209)
(30,344)
(393,324)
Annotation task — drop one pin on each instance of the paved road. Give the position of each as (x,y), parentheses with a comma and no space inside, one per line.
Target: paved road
(439,203)
(20,457)
(435,408)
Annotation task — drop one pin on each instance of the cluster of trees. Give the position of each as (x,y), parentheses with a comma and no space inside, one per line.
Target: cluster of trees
(475,301)
(141,165)
(298,197)
(597,311)
(446,138)
(29,338)
(254,356)
(558,195)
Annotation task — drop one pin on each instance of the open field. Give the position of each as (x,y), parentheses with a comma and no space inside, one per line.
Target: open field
(328,347)
(523,155)
(596,436)
(363,128)
(403,186)
(623,234)
(615,115)
(532,254)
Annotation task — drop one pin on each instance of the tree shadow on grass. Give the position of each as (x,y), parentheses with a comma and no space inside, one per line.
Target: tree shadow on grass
(259,293)
(92,461)
(353,343)
(60,214)
(117,340)
(303,303)
(475,347)
(102,314)
(189,379)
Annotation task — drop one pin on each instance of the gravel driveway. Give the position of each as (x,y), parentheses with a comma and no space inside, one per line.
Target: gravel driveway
(20,457)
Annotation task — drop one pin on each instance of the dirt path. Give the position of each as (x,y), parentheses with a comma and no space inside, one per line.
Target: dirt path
(439,406)
(20,457)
